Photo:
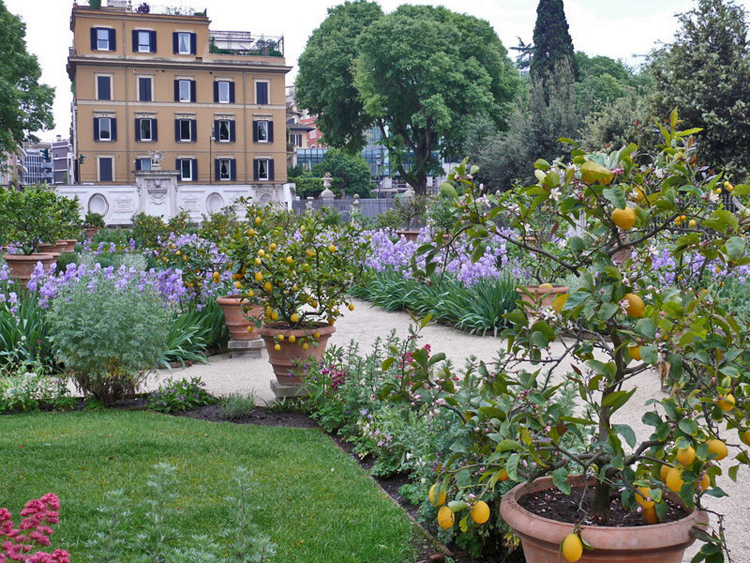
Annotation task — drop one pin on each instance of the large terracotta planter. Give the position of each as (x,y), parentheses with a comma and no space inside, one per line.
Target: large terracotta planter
(23,265)
(290,353)
(70,244)
(91,232)
(408,235)
(55,249)
(541,537)
(236,315)
(546,295)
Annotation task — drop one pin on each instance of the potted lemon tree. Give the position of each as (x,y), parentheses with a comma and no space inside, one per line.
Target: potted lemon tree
(592,485)
(298,270)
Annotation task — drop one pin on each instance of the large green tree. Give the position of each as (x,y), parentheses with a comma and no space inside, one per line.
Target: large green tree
(420,73)
(25,104)
(325,83)
(351,173)
(705,74)
(552,41)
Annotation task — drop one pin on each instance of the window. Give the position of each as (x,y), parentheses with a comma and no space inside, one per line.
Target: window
(184,43)
(145,88)
(143,163)
(102,39)
(296,139)
(144,41)
(103,87)
(184,90)
(263,169)
(263,131)
(261,93)
(223,92)
(188,168)
(145,129)
(226,169)
(106,169)
(224,130)
(105,129)
(185,130)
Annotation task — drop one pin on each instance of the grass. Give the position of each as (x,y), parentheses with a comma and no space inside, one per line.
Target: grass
(313,500)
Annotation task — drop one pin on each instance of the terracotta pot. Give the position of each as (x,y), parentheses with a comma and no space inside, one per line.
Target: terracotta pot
(236,315)
(408,235)
(91,232)
(54,249)
(23,265)
(541,537)
(289,353)
(544,294)
(70,244)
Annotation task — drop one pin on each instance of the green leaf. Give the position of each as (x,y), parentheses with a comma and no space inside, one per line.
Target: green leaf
(650,354)
(626,432)
(387,363)
(688,426)
(457,505)
(542,164)
(507,445)
(646,328)
(651,418)
(741,189)
(616,196)
(448,189)
(576,244)
(735,248)
(733,472)
(560,479)
(617,399)
(592,173)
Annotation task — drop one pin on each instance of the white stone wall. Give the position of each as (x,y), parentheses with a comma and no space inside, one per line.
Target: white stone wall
(119,203)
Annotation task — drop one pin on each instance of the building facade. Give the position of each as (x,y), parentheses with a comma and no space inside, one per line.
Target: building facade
(211,101)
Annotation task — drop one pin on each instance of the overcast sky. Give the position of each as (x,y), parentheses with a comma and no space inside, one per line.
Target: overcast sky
(615,28)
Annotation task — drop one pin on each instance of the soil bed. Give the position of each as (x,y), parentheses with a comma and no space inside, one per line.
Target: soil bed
(556,505)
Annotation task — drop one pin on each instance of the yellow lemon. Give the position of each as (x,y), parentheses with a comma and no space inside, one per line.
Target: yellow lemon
(635,305)
(237,284)
(624,218)
(650,516)
(332,248)
(445,518)
(281,338)
(316,335)
(250,328)
(261,253)
(674,480)
(745,437)
(267,287)
(258,277)
(546,286)
(705,482)
(481,512)
(292,338)
(272,246)
(258,261)
(274,316)
(572,548)
(664,471)
(289,259)
(692,223)
(310,252)
(351,306)
(638,195)
(277,347)
(305,346)
(643,497)
(250,294)
(559,302)
(440,499)
(717,447)
(294,318)
(635,353)
(726,403)
(686,456)
(503,475)
(258,221)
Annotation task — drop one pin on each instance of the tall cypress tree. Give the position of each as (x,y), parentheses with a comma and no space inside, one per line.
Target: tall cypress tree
(552,41)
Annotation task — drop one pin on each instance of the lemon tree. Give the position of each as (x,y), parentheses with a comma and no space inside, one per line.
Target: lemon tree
(296,267)
(616,323)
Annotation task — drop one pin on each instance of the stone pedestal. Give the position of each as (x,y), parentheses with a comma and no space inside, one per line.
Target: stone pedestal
(157,191)
(285,391)
(252,349)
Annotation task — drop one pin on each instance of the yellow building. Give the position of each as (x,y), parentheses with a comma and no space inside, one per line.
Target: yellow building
(211,101)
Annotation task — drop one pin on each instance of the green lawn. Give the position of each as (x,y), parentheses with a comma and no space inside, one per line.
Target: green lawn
(314,501)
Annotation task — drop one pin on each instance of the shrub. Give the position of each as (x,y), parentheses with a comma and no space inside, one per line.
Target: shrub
(180,396)
(308,187)
(108,331)
(237,406)
(25,387)
(148,229)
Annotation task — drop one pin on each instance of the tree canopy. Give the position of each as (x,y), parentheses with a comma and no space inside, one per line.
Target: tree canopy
(418,74)
(25,104)
(350,173)
(705,74)
(552,41)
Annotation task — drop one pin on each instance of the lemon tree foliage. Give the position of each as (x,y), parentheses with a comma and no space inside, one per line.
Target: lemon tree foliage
(413,74)
(616,314)
(298,268)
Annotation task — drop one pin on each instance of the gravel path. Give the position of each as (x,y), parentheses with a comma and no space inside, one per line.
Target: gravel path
(224,375)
